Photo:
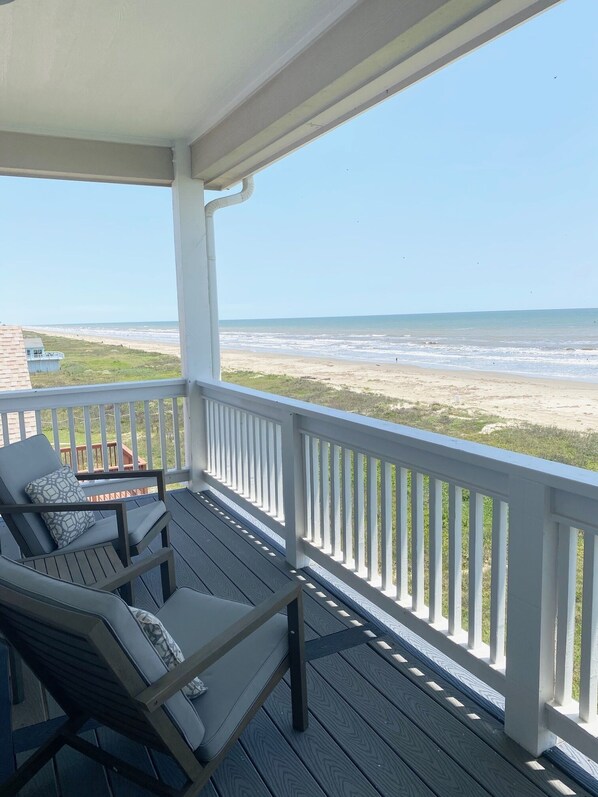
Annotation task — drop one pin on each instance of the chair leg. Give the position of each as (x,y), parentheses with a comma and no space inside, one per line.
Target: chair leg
(126,593)
(168,576)
(7,757)
(14,784)
(15,664)
(297,664)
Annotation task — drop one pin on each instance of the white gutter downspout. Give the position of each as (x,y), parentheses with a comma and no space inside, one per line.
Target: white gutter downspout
(222,202)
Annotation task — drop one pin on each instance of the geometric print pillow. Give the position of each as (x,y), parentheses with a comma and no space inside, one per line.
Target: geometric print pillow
(166,648)
(61,487)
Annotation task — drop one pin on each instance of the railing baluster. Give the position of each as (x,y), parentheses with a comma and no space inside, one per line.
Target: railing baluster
(359,512)
(588,666)
(22,426)
(265,464)
(315,490)
(435,550)
(258,461)
(275,507)
(163,444)
(280,513)
(271,470)
(245,452)
(372,521)
(105,458)
(240,451)
(72,439)
(176,433)
(250,458)
(38,422)
(88,438)
(228,444)
(222,442)
(386,524)
(455,558)
(565,635)
(232,446)
(325,494)
(5,434)
(119,436)
(476,562)
(402,534)
(417,541)
(336,502)
(148,434)
(55,431)
(309,500)
(498,582)
(348,554)
(133,428)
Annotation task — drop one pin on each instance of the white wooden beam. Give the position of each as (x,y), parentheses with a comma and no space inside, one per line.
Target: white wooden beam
(195,308)
(378,48)
(26,155)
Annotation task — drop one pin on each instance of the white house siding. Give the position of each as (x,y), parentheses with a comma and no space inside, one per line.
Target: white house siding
(14,375)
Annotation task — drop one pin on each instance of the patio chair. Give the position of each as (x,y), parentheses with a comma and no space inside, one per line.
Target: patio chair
(92,656)
(129,530)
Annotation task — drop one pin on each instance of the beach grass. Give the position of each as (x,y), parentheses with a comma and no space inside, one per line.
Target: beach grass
(97,363)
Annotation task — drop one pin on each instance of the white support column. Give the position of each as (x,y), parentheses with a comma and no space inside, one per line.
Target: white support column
(293,486)
(531,612)
(195,307)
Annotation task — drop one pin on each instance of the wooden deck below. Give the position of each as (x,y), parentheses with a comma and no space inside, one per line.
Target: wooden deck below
(381,721)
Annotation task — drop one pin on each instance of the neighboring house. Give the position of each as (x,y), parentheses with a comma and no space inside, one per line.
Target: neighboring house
(14,375)
(39,360)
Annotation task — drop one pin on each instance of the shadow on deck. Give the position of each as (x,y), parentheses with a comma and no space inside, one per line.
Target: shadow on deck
(381,721)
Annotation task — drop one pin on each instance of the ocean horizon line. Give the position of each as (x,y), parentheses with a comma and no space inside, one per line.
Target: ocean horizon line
(319,317)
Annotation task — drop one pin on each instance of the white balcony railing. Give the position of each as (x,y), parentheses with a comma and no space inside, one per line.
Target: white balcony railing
(145,417)
(490,556)
(428,528)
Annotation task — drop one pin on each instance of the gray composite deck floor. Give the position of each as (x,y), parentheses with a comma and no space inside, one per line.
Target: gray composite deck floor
(381,721)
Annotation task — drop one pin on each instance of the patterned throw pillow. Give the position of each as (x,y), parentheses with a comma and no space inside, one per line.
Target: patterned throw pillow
(61,487)
(166,648)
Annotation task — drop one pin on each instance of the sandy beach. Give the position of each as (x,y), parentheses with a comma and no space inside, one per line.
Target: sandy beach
(549,402)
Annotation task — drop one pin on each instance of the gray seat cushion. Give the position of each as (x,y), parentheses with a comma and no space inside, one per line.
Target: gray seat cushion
(139,521)
(20,463)
(236,679)
(115,613)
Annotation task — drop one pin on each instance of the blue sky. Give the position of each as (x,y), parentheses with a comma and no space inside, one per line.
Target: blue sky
(474,190)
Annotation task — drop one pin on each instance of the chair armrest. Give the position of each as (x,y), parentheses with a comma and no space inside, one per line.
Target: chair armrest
(131,572)
(82,506)
(154,696)
(126,474)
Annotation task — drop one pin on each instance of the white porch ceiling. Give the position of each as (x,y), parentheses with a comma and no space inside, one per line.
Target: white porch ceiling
(144,71)
(101,89)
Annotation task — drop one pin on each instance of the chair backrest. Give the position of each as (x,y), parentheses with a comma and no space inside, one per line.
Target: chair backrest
(20,463)
(87,649)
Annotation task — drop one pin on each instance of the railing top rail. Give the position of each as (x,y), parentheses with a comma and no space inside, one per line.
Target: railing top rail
(80,395)
(367,432)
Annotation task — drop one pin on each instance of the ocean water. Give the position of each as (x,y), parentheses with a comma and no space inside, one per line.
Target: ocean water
(559,344)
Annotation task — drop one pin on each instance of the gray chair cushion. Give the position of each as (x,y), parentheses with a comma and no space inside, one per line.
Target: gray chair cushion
(139,520)
(115,613)
(236,679)
(20,463)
